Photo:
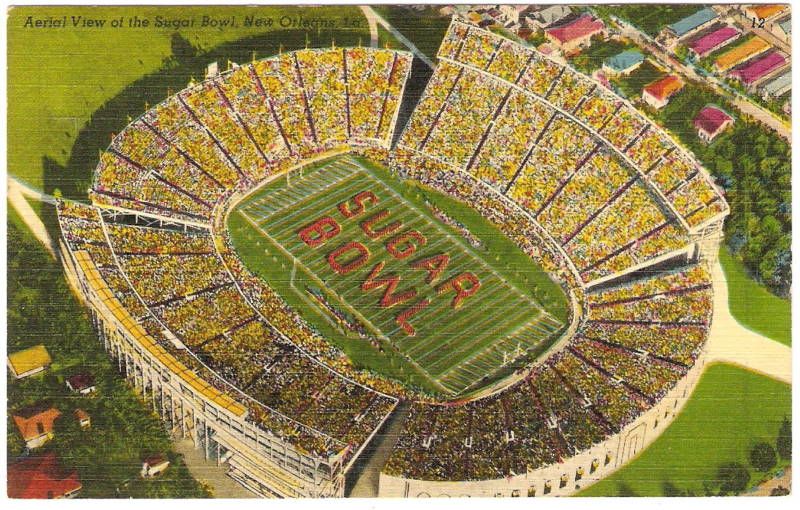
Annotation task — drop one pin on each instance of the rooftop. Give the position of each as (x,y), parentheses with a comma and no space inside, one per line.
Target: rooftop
(778,83)
(712,40)
(760,67)
(739,54)
(711,119)
(80,381)
(33,422)
(665,87)
(579,27)
(693,21)
(624,60)
(29,359)
(40,477)
(767,11)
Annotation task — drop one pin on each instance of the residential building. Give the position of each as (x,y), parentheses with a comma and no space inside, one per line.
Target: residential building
(658,93)
(777,86)
(710,122)
(576,33)
(692,24)
(40,477)
(760,68)
(623,63)
(29,361)
(36,424)
(154,465)
(81,383)
(741,53)
(83,418)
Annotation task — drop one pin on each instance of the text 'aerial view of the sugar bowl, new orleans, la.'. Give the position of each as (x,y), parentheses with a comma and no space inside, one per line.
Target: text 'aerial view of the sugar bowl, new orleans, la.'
(399,251)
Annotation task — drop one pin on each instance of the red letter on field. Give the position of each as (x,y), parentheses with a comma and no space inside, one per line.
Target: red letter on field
(408,246)
(457,284)
(352,263)
(367,224)
(320,231)
(391,282)
(359,200)
(402,317)
(433,265)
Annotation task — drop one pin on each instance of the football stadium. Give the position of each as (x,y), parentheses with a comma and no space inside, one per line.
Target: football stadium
(514,276)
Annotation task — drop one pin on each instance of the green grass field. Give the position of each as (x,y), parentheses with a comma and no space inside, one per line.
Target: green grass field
(752,305)
(729,412)
(59,78)
(454,343)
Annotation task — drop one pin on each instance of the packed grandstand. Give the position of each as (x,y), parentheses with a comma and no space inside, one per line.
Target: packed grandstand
(607,203)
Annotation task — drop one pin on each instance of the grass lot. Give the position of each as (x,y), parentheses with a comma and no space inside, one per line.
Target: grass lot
(633,84)
(279,214)
(649,18)
(58,79)
(42,310)
(729,412)
(752,305)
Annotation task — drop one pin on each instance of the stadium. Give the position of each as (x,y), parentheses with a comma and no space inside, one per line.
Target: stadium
(515,279)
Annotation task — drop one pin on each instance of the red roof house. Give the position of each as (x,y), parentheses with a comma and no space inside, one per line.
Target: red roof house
(36,424)
(658,93)
(576,33)
(710,122)
(714,40)
(40,477)
(81,383)
(760,67)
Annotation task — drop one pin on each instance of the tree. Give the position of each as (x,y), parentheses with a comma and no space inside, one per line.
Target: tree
(733,478)
(763,457)
(784,441)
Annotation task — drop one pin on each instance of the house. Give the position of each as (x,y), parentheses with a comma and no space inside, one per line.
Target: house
(81,383)
(36,424)
(658,93)
(763,11)
(40,477)
(713,41)
(576,33)
(548,16)
(83,418)
(29,361)
(760,68)
(745,51)
(154,465)
(710,122)
(776,87)
(624,63)
(512,14)
(692,24)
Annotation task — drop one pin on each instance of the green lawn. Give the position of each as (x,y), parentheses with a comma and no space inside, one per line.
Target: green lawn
(424,28)
(752,305)
(58,78)
(729,412)
(477,340)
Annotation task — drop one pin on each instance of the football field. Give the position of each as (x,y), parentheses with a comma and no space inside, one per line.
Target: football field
(411,281)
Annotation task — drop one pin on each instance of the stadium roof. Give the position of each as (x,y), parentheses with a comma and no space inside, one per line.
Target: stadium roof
(711,119)
(760,68)
(693,21)
(28,360)
(624,60)
(577,28)
(739,54)
(665,87)
(713,40)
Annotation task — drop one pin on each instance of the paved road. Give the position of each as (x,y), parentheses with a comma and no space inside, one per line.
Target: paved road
(373,26)
(17,192)
(373,16)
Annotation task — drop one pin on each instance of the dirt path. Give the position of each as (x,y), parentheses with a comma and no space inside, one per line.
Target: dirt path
(16,197)
(373,26)
(374,17)
(207,471)
(730,342)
